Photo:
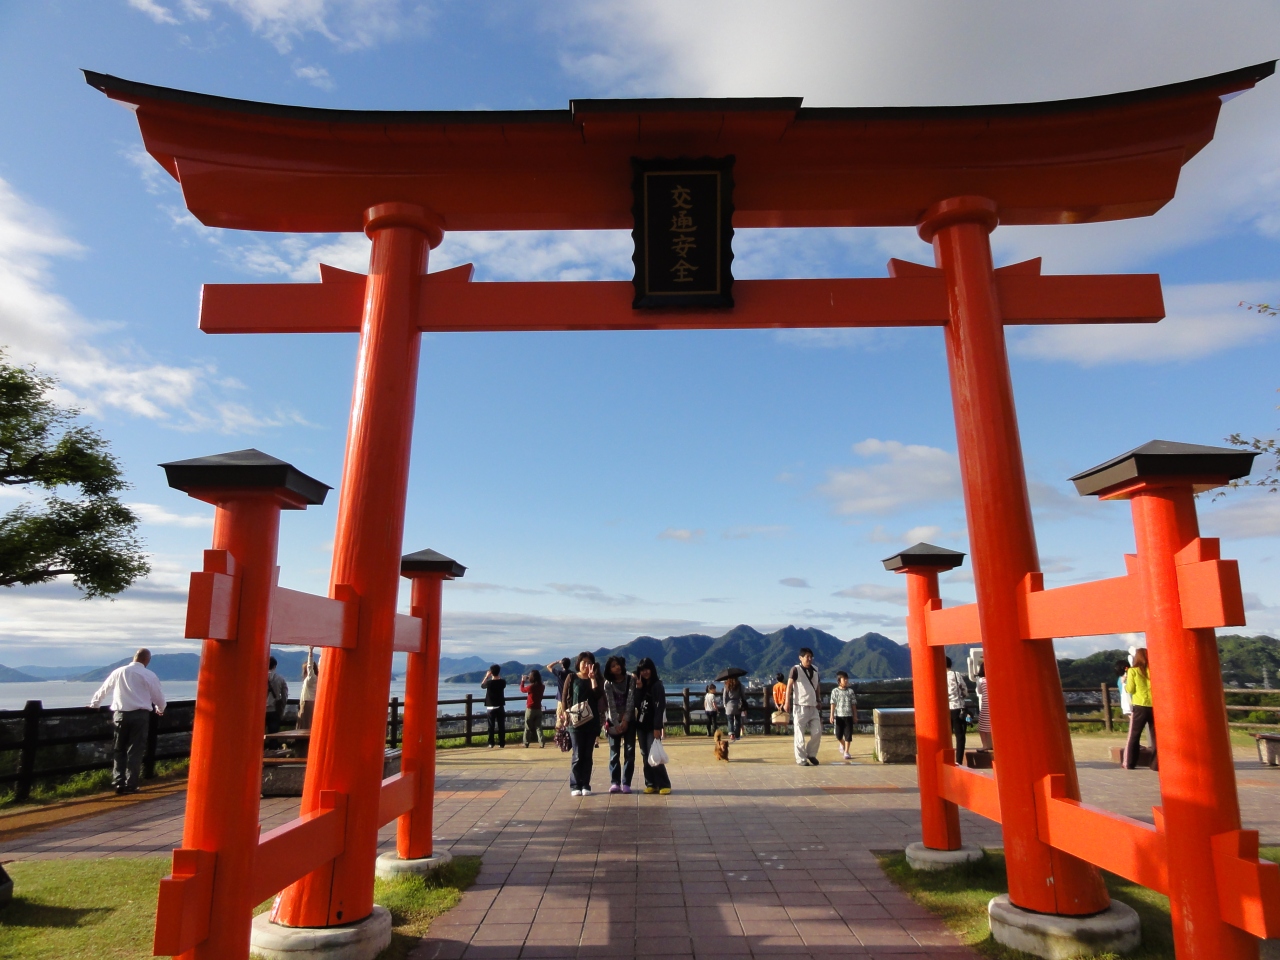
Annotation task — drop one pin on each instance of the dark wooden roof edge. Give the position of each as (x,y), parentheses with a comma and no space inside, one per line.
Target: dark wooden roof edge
(1223,83)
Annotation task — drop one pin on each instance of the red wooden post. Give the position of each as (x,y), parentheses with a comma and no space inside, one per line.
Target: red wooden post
(346,752)
(230,609)
(427,570)
(939,818)
(1028,713)
(1197,777)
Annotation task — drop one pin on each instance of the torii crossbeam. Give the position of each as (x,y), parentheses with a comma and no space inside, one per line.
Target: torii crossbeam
(405,178)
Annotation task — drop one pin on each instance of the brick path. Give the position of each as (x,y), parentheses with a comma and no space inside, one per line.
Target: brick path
(752,858)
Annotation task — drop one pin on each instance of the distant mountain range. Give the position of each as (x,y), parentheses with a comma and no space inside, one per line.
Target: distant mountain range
(697,656)
(692,657)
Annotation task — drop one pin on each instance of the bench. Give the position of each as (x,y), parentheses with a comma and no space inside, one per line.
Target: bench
(1268,748)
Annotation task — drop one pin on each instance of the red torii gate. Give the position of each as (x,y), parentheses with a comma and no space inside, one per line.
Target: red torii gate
(406,177)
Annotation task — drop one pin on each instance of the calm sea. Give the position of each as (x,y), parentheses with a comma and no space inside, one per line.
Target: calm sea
(68,693)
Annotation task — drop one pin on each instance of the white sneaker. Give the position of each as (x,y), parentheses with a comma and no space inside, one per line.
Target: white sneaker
(586,791)
(575,793)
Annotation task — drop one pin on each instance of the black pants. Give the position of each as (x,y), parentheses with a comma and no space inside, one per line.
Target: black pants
(1142,717)
(498,725)
(958,729)
(584,745)
(273,722)
(844,728)
(130,743)
(734,722)
(655,777)
(712,717)
(622,768)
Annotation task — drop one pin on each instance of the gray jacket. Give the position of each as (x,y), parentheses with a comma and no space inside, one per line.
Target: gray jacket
(610,710)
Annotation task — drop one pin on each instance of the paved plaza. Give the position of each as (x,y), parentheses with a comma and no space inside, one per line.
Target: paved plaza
(751,858)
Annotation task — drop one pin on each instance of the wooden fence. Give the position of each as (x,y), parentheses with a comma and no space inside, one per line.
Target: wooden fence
(48,744)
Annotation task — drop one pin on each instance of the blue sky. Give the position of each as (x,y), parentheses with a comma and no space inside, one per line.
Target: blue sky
(599,486)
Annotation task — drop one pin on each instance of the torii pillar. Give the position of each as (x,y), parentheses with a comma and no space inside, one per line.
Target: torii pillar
(1022,675)
(347,737)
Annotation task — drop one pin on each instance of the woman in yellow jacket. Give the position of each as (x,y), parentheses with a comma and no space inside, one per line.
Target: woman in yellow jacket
(1137,682)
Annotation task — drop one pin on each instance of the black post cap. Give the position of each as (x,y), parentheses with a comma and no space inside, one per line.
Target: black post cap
(925,555)
(242,469)
(430,561)
(1208,467)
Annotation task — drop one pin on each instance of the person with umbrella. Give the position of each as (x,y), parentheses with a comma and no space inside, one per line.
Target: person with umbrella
(735,700)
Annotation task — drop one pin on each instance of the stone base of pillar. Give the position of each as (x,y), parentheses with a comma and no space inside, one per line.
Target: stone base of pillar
(1115,930)
(920,857)
(353,941)
(389,866)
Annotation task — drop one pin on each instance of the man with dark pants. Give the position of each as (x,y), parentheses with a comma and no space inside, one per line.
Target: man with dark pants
(277,697)
(134,691)
(956,693)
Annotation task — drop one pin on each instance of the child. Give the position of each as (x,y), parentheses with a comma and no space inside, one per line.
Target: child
(844,713)
(712,706)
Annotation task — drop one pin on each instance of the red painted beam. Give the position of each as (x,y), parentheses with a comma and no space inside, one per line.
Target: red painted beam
(409,633)
(1127,847)
(915,300)
(291,851)
(185,903)
(398,796)
(969,789)
(307,620)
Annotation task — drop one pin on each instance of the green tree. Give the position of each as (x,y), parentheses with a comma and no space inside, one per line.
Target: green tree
(89,535)
(1267,447)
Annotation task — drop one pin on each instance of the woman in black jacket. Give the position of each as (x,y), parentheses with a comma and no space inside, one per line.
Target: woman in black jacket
(584,686)
(651,717)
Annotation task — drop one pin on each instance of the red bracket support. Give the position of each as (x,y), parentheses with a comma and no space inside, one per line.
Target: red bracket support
(398,795)
(213,603)
(1248,888)
(291,851)
(1125,846)
(306,620)
(185,905)
(969,789)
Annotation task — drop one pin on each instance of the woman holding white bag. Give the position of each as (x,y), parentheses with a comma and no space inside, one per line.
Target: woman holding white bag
(651,717)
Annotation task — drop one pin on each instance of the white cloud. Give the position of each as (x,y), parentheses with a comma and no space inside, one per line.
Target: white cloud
(155,11)
(154,514)
(911,474)
(530,635)
(41,327)
(347,24)
(767,531)
(875,592)
(797,582)
(681,535)
(1203,318)
(593,594)
(1256,515)
(316,76)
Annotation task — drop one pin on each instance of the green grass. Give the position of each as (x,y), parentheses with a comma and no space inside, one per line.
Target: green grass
(73,909)
(415,901)
(960,894)
(105,909)
(84,784)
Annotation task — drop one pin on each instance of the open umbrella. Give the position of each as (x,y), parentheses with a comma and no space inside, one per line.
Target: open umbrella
(728,672)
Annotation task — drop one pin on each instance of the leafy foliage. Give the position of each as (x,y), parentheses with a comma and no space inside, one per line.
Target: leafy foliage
(90,537)
(1268,448)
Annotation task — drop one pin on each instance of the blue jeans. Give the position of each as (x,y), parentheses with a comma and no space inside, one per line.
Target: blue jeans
(622,768)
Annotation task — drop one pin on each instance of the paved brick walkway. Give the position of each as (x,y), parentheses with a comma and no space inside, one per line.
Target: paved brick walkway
(747,859)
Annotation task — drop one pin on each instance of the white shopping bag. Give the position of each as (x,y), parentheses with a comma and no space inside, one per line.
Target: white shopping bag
(658,754)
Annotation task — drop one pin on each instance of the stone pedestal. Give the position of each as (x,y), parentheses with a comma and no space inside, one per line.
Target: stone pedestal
(352,941)
(1115,930)
(895,730)
(389,866)
(920,857)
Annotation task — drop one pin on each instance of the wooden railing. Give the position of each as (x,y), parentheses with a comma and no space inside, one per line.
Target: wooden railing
(54,743)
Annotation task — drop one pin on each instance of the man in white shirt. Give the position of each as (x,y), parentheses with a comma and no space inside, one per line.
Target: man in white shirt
(804,696)
(134,690)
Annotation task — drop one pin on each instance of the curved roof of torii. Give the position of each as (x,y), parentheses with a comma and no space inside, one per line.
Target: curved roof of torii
(259,166)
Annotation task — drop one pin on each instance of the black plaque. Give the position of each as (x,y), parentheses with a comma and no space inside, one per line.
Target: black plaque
(683,232)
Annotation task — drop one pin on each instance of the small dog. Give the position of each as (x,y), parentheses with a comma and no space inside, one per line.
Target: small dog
(722,746)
